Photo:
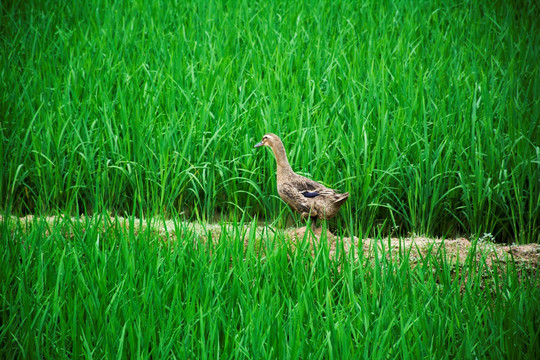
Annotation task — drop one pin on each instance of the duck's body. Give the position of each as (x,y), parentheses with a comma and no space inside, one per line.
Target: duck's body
(304,195)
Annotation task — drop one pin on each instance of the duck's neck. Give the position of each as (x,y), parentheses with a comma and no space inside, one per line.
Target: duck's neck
(283,166)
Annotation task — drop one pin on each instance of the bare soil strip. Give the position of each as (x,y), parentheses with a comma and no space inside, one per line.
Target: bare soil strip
(417,247)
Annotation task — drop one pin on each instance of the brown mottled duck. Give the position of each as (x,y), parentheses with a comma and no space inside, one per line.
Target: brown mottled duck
(304,195)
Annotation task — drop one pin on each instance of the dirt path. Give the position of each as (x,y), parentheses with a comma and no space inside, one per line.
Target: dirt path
(418,247)
(454,250)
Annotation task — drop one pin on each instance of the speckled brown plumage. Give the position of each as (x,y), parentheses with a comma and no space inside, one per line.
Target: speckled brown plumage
(304,195)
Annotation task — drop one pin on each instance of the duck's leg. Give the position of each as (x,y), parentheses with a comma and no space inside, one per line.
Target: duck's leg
(305,216)
(313,223)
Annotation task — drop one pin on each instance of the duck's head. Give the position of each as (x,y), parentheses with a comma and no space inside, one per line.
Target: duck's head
(274,143)
(268,140)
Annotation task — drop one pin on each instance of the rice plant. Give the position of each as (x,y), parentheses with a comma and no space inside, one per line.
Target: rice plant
(426,112)
(95,288)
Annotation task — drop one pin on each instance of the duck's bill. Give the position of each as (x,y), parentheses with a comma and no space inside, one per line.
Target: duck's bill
(259,144)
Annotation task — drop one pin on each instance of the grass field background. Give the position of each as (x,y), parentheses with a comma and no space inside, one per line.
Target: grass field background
(427,112)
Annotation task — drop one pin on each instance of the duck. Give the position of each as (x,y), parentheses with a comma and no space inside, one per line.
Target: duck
(308,197)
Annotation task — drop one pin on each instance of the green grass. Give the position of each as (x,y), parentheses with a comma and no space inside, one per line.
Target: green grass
(79,289)
(427,112)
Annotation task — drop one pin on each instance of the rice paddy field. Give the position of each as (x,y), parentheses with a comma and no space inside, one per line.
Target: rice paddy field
(137,220)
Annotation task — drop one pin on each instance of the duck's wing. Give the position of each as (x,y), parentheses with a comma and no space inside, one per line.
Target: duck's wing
(292,196)
(304,184)
(310,194)
(309,188)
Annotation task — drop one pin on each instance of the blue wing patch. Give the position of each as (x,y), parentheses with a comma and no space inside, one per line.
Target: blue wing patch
(310,194)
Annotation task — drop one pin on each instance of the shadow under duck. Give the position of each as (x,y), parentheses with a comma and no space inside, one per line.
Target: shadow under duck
(304,195)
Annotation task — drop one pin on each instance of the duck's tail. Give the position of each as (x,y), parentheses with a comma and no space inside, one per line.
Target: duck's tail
(340,198)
